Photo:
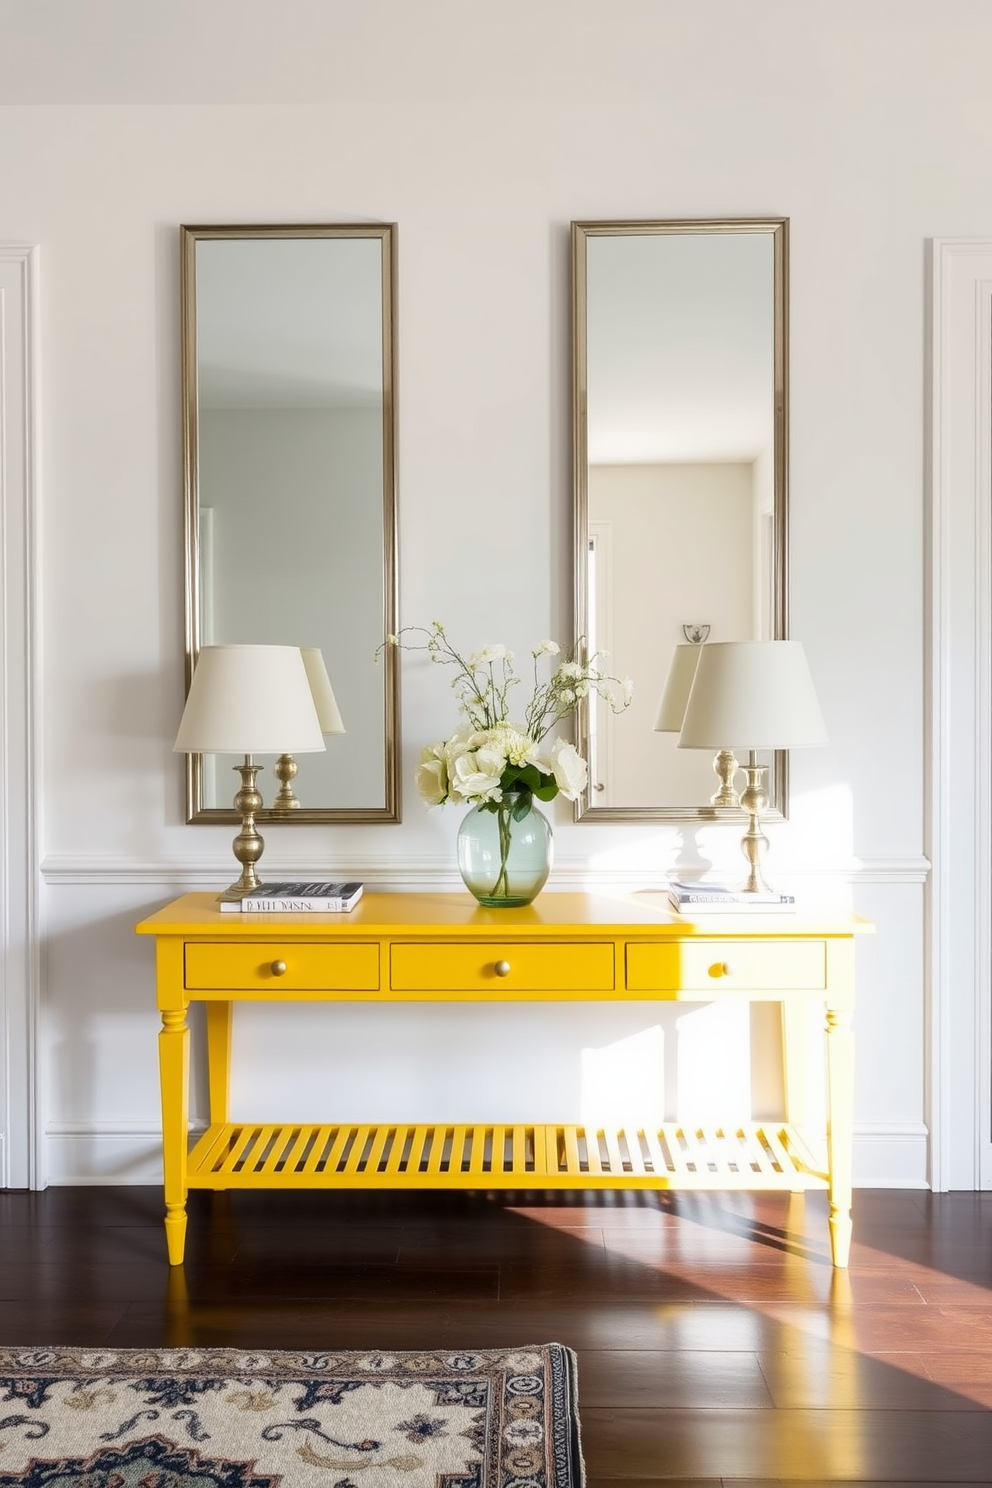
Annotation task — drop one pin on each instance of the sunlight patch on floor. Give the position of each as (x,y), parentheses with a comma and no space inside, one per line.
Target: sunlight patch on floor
(721,1251)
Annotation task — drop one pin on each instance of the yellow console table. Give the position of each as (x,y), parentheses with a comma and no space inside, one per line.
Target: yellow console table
(444,948)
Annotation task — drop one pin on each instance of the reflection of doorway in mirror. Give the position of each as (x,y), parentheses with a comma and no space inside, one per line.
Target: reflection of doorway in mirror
(206,551)
(599,587)
(764,629)
(684,537)
(763,548)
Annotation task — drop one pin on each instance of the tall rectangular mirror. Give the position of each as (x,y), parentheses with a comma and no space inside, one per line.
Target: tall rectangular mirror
(289,436)
(680,467)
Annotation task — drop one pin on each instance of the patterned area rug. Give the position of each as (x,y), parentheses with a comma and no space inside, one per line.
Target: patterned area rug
(223,1418)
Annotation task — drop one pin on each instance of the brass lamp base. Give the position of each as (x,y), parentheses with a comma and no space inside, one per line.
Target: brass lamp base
(725,767)
(248,844)
(754,843)
(286,770)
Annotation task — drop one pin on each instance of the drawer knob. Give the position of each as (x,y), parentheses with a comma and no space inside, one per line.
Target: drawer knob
(278,968)
(502,968)
(721,969)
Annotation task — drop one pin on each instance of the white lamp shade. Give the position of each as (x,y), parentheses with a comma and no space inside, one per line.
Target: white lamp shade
(671,709)
(250,700)
(323,694)
(752,695)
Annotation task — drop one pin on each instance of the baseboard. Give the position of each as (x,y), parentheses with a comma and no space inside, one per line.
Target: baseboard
(82,1153)
(891,1156)
(78,1154)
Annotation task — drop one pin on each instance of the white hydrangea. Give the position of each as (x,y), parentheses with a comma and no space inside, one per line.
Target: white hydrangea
(569,769)
(432,775)
(475,774)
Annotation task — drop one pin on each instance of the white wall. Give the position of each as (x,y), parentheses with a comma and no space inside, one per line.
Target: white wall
(482,132)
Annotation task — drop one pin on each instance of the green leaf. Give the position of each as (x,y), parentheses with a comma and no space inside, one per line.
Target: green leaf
(521,805)
(529,776)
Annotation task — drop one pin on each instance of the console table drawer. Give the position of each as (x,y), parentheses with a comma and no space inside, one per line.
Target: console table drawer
(730,965)
(281,967)
(496,968)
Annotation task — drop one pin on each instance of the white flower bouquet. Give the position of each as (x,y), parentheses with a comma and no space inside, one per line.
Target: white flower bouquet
(491,762)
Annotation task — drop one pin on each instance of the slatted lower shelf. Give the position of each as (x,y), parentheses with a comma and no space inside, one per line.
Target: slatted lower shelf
(256,1155)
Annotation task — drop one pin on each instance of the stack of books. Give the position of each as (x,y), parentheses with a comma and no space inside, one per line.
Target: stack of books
(708,898)
(303,897)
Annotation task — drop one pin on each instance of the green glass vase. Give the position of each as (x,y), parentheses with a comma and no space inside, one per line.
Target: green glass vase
(504,855)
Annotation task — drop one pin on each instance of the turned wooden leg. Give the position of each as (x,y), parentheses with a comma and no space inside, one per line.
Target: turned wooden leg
(173,1056)
(840,1129)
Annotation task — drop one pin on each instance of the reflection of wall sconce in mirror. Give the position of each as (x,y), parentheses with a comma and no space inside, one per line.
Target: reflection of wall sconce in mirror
(671,714)
(328,713)
(761,695)
(249,700)
(680,435)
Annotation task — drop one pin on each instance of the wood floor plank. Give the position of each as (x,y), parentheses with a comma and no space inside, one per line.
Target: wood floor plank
(834,1445)
(716,1345)
(122,1281)
(635,1378)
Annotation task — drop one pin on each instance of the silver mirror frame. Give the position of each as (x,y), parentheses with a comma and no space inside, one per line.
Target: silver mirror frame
(581,232)
(389,812)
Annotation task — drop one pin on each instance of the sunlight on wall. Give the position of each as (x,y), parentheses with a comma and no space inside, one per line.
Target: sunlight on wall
(624,1082)
(714,1063)
(693,1065)
(819,833)
(815,843)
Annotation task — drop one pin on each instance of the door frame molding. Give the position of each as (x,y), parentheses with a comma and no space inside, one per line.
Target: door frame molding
(958,809)
(19,891)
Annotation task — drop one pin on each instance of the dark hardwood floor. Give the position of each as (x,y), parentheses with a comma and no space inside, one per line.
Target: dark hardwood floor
(716,1344)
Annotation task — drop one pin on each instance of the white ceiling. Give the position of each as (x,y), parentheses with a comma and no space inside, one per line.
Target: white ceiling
(680,347)
(289,322)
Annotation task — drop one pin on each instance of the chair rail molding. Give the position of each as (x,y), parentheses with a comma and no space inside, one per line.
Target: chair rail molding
(19,947)
(437,871)
(958,825)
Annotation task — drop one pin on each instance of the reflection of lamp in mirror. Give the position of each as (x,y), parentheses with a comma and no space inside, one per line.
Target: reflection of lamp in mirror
(249,700)
(286,768)
(760,695)
(671,713)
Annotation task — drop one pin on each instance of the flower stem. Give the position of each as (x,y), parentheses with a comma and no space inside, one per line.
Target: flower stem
(501,888)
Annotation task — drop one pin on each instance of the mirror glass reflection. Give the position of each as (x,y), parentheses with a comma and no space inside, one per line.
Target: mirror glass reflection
(680,475)
(290,504)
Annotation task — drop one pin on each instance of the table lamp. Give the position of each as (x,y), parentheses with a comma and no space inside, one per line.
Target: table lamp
(671,714)
(249,700)
(329,717)
(752,695)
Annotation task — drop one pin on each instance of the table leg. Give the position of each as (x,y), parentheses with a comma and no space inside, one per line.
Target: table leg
(173,1058)
(219,1022)
(795,1057)
(840,1129)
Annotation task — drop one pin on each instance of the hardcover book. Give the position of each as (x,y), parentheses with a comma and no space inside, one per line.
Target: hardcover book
(703,898)
(303,897)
